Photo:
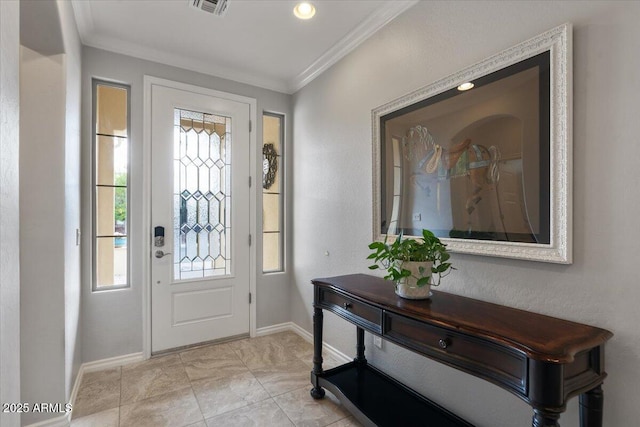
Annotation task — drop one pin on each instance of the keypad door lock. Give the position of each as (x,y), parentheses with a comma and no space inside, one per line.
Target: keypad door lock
(158,238)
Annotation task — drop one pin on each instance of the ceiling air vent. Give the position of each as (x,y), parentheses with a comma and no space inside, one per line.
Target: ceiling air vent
(217,7)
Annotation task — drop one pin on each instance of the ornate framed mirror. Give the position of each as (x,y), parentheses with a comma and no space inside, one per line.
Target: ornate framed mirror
(483,157)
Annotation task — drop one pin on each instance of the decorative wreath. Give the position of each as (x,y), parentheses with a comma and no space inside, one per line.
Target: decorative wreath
(269,165)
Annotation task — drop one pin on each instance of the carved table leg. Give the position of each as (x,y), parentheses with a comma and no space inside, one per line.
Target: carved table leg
(591,404)
(317,392)
(545,418)
(360,346)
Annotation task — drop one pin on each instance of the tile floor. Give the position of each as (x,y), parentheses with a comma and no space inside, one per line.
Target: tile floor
(251,382)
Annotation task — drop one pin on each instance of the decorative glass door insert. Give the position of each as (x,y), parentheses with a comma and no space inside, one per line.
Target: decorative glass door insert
(202,195)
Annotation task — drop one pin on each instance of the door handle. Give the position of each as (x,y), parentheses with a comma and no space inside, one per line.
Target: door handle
(160,254)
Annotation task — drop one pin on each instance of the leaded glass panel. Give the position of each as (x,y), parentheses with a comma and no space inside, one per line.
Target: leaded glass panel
(202,194)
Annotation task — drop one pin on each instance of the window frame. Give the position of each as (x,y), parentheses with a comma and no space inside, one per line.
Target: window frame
(281,192)
(94,184)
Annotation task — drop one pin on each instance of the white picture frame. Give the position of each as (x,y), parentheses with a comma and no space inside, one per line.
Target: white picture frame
(558,42)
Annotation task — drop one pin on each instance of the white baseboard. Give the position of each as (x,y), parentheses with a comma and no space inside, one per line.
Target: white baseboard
(111,362)
(74,390)
(308,336)
(274,329)
(290,326)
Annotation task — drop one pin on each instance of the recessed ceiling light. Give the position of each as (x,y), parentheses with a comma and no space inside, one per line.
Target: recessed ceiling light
(304,10)
(466,86)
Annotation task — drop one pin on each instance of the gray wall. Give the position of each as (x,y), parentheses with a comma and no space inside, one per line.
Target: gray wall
(9,207)
(112,320)
(42,228)
(332,188)
(49,204)
(72,324)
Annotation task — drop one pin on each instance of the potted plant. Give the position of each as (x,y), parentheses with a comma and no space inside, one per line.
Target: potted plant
(412,264)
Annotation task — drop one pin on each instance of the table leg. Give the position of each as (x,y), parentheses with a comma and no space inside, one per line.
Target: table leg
(317,392)
(591,404)
(360,346)
(543,418)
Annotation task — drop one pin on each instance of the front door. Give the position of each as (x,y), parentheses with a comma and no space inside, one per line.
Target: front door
(200,259)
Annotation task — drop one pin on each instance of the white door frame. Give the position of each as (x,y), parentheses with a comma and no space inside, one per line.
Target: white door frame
(149,81)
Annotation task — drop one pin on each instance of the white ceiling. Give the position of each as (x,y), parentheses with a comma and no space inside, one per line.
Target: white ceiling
(258,42)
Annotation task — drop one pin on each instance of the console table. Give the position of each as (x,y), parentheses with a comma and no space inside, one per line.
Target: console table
(543,360)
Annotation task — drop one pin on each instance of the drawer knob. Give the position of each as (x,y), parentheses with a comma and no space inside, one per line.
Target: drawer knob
(347,305)
(444,343)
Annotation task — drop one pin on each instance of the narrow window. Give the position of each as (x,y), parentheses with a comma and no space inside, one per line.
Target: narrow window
(111,180)
(272,193)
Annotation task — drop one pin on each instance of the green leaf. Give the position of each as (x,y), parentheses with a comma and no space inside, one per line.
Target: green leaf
(423,281)
(443,267)
(390,256)
(374,267)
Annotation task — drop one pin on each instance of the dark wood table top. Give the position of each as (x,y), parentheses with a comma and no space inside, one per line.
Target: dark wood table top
(540,337)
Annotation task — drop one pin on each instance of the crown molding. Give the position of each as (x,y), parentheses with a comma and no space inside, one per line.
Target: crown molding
(89,37)
(353,39)
(84,18)
(150,54)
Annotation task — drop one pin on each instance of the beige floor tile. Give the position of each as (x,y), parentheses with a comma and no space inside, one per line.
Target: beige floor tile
(152,378)
(98,392)
(306,356)
(103,375)
(108,418)
(263,414)
(173,409)
(154,362)
(283,377)
(215,361)
(217,396)
(305,411)
(347,422)
(177,389)
(264,351)
(270,354)
(251,343)
(242,342)
(287,339)
(296,344)
(214,351)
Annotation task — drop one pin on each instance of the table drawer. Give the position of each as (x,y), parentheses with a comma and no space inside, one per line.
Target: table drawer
(362,314)
(475,355)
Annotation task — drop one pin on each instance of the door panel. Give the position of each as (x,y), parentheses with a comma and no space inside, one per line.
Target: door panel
(200,195)
(198,306)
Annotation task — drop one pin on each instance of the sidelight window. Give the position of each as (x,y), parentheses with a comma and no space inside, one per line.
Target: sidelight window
(111,184)
(272,193)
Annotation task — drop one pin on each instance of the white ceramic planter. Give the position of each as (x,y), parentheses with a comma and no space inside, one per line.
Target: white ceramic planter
(407,287)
